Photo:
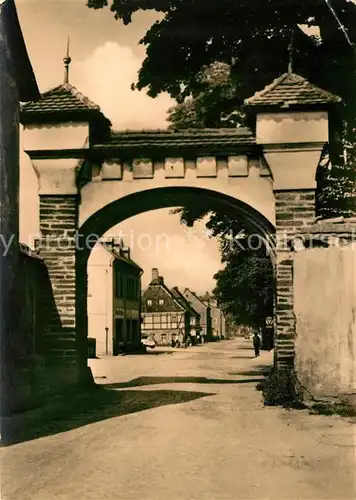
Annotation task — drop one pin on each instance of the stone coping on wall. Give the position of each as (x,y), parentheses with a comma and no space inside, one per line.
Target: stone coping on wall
(339,231)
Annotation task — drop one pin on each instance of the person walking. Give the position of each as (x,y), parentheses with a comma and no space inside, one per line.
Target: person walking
(256,343)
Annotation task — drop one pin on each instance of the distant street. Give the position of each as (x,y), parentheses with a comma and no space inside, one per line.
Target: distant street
(184,424)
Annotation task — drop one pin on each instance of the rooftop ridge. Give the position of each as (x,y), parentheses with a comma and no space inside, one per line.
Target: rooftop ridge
(189,131)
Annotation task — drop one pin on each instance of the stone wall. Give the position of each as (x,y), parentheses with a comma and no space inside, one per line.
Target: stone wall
(26,380)
(294,210)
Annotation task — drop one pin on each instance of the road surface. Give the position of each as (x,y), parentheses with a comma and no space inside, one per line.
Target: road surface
(186,424)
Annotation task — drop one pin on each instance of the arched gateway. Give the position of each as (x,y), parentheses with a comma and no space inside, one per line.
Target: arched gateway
(91,178)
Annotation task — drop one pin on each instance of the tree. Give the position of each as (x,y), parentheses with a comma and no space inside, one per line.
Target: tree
(251,37)
(245,287)
(215,106)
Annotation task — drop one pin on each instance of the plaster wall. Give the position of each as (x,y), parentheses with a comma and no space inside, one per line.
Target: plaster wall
(100,299)
(292,127)
(55,137)
(255,188)
(325,308)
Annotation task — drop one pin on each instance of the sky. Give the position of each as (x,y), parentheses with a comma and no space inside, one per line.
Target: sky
(105,60)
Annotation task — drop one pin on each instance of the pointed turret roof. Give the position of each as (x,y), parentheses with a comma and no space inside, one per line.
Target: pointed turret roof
(63,102)
(290,91)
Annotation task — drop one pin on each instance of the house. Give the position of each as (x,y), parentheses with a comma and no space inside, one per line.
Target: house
(114,298)
(218,323)
(192,317)
(166,315)
(205,313)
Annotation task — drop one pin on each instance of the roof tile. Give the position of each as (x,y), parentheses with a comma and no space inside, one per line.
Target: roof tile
(165,139)
(64,98)
(290,90)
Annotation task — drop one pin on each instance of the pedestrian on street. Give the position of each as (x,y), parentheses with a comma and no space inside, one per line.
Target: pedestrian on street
(256,343)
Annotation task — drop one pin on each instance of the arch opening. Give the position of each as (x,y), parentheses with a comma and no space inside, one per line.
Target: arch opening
(165,197)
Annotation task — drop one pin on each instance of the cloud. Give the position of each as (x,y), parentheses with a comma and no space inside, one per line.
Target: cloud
(157,239)
(106,77)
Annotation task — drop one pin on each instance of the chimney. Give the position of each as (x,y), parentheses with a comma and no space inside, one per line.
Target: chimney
(155,274)
(125,252)
(113,243)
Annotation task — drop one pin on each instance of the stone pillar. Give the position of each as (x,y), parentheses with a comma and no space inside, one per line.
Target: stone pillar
(294,211)
(58,223)
(64,352)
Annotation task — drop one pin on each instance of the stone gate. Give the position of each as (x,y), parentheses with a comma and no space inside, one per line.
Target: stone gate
(91,178)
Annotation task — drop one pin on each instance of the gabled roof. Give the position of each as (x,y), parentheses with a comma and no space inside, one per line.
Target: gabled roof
(182,139)
(183,302)
(62,102)
(119,256)
(160,282)
(196,296)
(291,90)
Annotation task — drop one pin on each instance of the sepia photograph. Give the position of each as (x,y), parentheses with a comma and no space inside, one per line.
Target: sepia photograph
(178,249)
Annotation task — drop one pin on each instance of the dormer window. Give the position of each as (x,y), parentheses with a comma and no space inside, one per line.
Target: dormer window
(149,302)
(161,302)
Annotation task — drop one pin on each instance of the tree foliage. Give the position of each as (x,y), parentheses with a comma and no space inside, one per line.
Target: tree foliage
(216,104)
(245,287)
(251,37)
(210,55)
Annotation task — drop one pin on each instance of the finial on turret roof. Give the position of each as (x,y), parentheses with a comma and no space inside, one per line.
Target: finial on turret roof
(290,52)
(67,60)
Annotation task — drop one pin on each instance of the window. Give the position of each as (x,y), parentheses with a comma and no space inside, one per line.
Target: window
(156,322)
(149,302)
(161,302)
(163,337)
(148,322)
(164,321)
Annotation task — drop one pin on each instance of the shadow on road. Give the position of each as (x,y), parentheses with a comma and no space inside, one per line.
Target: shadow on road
(142,381)
(260,370)
(93,406)
(242,357)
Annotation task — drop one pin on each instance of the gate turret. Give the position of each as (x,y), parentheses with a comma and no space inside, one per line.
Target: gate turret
(58,132)
(292,127)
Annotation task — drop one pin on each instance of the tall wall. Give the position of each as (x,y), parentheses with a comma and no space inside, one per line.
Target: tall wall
(29,379)
(9,175)
(325,305)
